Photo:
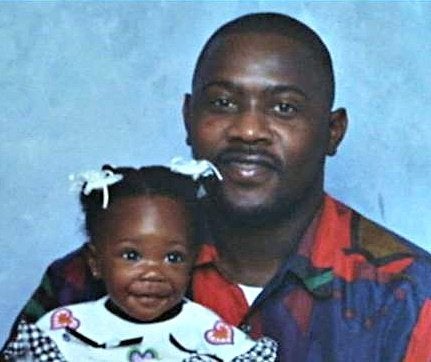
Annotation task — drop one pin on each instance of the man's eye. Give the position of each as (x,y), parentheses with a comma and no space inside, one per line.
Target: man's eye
(285,108)
(175,257)
(131,255)
(223,103)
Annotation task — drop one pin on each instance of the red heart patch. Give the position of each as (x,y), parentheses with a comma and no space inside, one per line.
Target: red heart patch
(64,318)
(221,333)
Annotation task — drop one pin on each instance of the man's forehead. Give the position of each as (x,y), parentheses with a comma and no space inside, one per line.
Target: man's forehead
(255,41)
(254,52)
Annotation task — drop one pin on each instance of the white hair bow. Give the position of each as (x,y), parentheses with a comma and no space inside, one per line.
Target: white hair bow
(194,168)
(95,180)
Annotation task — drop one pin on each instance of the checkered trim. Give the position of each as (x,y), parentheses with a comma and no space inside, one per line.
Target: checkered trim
(265,350)
(197,358)
(31,340)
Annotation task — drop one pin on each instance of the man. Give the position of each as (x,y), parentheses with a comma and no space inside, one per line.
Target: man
(283,259)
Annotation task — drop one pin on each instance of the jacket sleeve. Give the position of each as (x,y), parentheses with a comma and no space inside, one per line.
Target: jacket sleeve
(419,348)
(67,280)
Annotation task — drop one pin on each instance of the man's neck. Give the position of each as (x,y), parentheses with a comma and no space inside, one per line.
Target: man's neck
(252,255)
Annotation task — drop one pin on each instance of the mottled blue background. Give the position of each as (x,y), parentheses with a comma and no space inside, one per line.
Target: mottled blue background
(82,84)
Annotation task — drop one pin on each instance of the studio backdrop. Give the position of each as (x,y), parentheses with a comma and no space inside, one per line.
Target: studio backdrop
(88,83)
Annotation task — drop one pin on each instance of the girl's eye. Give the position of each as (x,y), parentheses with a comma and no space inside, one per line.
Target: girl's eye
(131,255)
(175,257)
(285,108)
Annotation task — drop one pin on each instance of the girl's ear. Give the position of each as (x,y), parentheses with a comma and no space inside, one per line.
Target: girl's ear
(93,260)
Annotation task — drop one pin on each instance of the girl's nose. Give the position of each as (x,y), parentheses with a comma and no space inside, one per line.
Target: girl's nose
(151,270)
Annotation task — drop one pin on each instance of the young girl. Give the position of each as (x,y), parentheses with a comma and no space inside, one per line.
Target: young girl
(142,227)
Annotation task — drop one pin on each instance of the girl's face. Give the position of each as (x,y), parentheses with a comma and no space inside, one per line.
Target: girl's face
(143,253)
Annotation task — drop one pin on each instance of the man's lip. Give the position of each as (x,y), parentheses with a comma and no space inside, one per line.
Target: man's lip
(247,169)
(248,161)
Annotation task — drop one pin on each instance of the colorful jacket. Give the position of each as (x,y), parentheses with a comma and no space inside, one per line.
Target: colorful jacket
(353,292)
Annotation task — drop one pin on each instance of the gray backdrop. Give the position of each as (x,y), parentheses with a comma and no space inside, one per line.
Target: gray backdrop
(82,84)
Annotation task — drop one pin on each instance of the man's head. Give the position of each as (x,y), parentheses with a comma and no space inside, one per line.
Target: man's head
(260,109)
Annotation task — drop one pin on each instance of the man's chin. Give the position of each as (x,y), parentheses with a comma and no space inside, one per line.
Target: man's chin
(251,215)
(247,208)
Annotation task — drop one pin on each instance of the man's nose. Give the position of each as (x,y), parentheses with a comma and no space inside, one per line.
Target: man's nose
(250,126)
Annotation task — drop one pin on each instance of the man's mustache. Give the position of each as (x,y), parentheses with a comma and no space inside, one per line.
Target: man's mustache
(250,155)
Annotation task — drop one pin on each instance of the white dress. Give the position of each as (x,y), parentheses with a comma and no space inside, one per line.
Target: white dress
(90,332)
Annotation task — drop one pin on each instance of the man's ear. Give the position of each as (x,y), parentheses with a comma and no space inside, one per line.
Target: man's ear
(93,260)
(186,116)
(337,128)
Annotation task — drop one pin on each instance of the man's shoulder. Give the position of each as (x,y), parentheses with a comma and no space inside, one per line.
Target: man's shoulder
(71,268)
(68,280)
(386,249)
(77,257)
(380,242)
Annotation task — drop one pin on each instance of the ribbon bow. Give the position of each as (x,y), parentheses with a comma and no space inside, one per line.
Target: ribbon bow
(194,168)
(95,180)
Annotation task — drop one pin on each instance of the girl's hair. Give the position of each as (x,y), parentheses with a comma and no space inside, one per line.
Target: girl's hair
(146,181)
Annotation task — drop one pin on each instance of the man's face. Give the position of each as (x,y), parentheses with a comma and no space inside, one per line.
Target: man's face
(260,111)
